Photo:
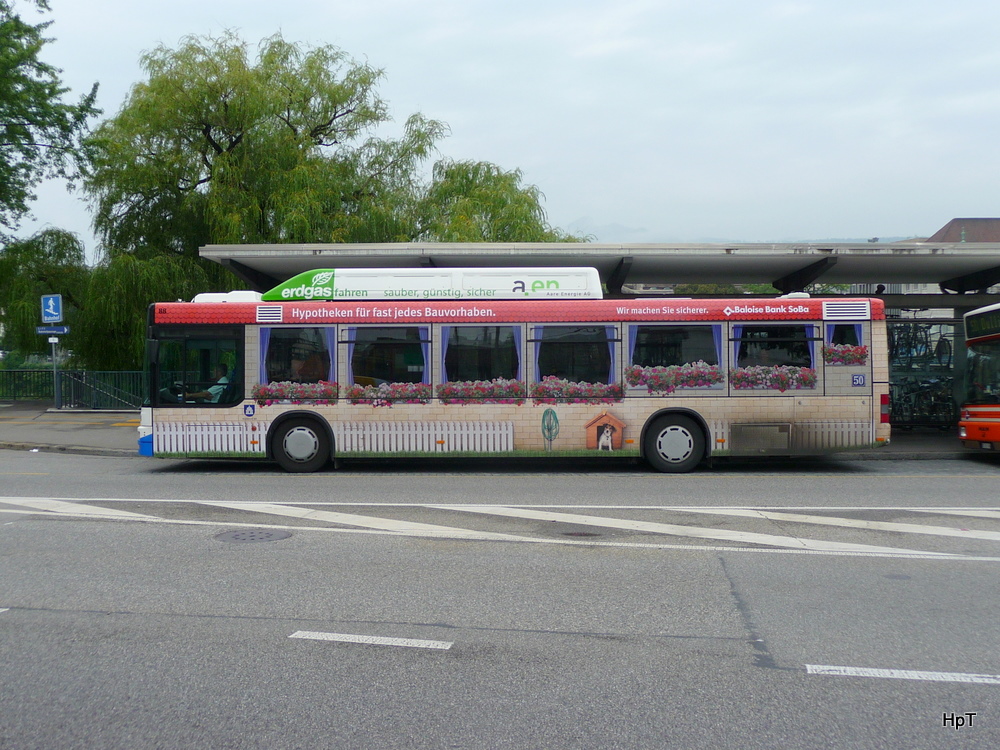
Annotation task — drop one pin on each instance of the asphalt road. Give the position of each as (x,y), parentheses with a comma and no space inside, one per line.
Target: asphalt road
(498,606)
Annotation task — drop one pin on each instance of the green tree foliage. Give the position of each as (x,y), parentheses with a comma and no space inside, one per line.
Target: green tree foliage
(718,290)
(49,262)
(696,290)
(471,201)
(216,147)
(40,134)
(112,336)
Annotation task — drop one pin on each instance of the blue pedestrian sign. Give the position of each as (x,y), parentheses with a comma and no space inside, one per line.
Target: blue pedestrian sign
(52,309)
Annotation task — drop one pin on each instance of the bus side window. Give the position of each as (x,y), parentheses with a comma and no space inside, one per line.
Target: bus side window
(396,354)
(844,333)
(774,345)
(579,354)
(667,345)
(298,355)
(480,352)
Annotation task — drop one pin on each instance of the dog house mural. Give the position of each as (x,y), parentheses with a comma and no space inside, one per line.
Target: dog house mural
(605,432)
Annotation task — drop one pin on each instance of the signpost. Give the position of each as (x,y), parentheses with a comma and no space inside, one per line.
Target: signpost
(52,312)
(52,309)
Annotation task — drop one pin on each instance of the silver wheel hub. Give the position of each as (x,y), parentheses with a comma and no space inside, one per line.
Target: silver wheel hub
(300,444)
(675,444)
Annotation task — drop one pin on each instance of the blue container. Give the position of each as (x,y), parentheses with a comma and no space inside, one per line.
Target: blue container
(146,446)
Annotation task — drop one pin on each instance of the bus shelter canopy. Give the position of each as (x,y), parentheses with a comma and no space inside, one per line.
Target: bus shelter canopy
(960,273)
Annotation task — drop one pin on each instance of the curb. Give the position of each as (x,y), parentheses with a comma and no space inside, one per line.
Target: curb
(75,449)
(902,456)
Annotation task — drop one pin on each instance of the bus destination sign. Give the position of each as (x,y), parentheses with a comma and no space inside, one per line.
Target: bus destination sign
(985,323)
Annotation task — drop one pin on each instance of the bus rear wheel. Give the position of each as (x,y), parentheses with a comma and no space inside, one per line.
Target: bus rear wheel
(300,445)
(674,444)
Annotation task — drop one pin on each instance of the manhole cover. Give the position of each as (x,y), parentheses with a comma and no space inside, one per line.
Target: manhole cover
(253,535)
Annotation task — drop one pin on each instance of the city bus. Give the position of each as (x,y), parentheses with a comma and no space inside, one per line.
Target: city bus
(338,363)
(979,417)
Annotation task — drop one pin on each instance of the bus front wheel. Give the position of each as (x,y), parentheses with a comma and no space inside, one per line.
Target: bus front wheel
(300,445)
(674,444)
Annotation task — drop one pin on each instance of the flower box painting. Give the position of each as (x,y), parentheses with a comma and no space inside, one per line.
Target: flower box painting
(496,391)
(778,378)
(845,354)
(553,390)
(666,379)
(289,392)
(387,394)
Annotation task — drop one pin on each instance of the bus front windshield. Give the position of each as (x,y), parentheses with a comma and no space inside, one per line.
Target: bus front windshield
(982,374)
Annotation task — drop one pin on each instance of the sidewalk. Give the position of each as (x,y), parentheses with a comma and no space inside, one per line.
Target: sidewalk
(34,425)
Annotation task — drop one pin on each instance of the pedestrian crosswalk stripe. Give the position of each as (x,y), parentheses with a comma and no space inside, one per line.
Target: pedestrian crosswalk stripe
(675,529)
(51,505)
(854,523)
(370,522)
(970,513)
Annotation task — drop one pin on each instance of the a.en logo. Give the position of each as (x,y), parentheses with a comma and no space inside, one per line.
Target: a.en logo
(536,286)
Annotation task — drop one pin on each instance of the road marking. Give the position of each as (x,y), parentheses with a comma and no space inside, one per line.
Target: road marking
(903,674)
(5,609)
(679,530)
(853,523)
(894,555)
(980,513)
(372,640)
(990,512)
(51,505)
(373,525)
(406,528)
(570,506)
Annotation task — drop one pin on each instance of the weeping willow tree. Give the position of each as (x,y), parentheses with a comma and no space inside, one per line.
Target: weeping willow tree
(220,147)
(49,262)
(113,334)
(470,201)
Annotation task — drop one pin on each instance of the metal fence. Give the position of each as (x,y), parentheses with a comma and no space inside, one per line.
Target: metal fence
(77,389)
(922,372)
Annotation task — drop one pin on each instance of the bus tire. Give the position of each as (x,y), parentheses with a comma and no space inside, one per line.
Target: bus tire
(674,444)
(300,445)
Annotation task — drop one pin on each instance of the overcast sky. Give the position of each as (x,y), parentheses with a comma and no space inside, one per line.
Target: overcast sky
(642,120)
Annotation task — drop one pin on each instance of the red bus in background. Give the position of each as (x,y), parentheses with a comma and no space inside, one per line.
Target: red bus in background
(979,420)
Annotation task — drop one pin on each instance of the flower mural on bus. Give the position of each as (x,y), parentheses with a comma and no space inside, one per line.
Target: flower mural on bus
(323,392)
(845,354)
(553,390)
(495,391)
(387,394)
(779,378)
(662,380)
